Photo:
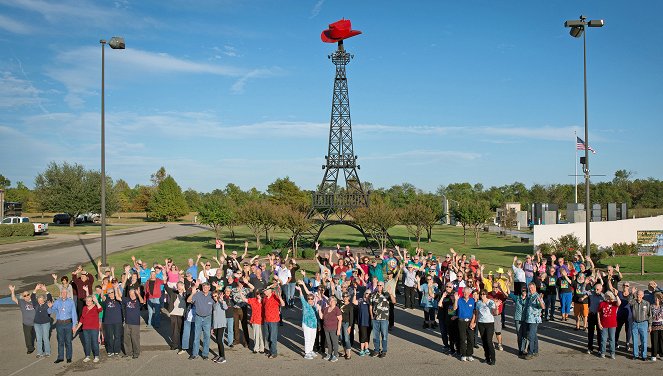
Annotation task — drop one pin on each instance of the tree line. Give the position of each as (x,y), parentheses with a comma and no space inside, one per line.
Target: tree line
(70,188)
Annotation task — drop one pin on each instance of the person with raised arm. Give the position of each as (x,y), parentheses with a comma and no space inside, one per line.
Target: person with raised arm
(89,321)
(28,317)
(131,305)
(65,319)
(272,305)
(112,305)
(42,320)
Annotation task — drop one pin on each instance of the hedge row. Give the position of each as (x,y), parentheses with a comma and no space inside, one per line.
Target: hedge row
(19,229)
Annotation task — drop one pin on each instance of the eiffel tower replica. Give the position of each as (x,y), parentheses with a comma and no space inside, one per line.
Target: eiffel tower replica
(333,204)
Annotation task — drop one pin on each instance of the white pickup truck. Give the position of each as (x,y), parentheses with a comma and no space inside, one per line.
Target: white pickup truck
(40,228)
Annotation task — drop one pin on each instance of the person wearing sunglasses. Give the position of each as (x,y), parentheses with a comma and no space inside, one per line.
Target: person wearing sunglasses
(486,310)
(309,319)
(428,300)
(28,317)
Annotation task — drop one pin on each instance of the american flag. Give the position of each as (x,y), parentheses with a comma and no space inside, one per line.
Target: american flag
(580,145)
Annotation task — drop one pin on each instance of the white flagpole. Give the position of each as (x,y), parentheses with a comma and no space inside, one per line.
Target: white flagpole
(576,164)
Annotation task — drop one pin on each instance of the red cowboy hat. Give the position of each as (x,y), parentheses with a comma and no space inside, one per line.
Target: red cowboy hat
(339,30)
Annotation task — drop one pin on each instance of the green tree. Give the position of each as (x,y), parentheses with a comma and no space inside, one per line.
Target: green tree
(159,176)
(21,194)
(417,217)
(168,201)
(73,190)
(4,182)
(193,199)
(296,222)
(284,191)
(376,220)
(254,216)
(141,197)
(123,194)
(217,212)
(472,214)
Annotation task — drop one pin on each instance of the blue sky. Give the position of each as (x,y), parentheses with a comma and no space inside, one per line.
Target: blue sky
(240,91)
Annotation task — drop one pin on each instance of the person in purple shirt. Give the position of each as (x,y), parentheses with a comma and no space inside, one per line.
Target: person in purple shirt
(559,265)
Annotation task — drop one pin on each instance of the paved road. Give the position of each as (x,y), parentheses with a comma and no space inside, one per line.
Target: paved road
(36,263)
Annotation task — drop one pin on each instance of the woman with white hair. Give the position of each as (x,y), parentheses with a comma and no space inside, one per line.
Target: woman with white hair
(89,321)
(42,320)
(608,322)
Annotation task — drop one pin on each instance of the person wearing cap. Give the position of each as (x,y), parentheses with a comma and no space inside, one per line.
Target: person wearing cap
(410,273)
(608,322)
(27,316)
(203,302)
(112,320)
(272,305)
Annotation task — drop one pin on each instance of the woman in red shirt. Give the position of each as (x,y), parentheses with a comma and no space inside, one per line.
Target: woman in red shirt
(608,321)
(89,320)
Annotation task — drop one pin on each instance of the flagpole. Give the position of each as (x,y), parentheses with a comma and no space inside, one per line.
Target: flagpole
(576,164)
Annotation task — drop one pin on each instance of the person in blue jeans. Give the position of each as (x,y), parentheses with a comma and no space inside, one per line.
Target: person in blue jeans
(532,310)
(203,303)
(42,320)
(65,319)
(379,312)
(187,328)
(641,321)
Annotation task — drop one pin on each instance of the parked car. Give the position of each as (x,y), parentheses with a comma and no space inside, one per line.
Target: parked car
(63,219)
(40,228)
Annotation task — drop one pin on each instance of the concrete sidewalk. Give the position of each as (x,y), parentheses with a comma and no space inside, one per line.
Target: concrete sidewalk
(64,239)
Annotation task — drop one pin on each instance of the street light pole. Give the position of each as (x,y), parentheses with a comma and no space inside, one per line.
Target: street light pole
(103,159)
(577,28)
(115,43)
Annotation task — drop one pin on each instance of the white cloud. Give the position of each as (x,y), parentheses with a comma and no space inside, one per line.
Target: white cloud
(317,8)
(78,69)
(14,26)
(16,92)
(56,11)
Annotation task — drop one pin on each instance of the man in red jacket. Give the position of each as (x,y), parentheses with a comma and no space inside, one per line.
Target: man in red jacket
(272,305)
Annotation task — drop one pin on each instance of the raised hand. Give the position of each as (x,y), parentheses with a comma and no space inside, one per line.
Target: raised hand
(133,258)
(55,276)
(12,288)
(86,289)
(49,303)
(317,245)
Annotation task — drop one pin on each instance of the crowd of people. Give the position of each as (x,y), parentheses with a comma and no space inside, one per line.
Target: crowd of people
(348,293)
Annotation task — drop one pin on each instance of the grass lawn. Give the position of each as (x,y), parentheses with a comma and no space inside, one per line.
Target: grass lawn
(21,239)
(494,251)
(86,228)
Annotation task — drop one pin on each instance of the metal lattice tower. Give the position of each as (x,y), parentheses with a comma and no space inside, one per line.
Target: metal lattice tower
(333,204)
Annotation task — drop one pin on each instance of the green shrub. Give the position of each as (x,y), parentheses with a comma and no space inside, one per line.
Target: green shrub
(6,231)
(366,244)
(404,244)
(307,253)
(19,229)
(280,244)
(624,249)
(24,229)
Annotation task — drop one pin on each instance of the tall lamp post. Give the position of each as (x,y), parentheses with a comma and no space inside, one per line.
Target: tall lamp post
(577,30)
(116,43)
